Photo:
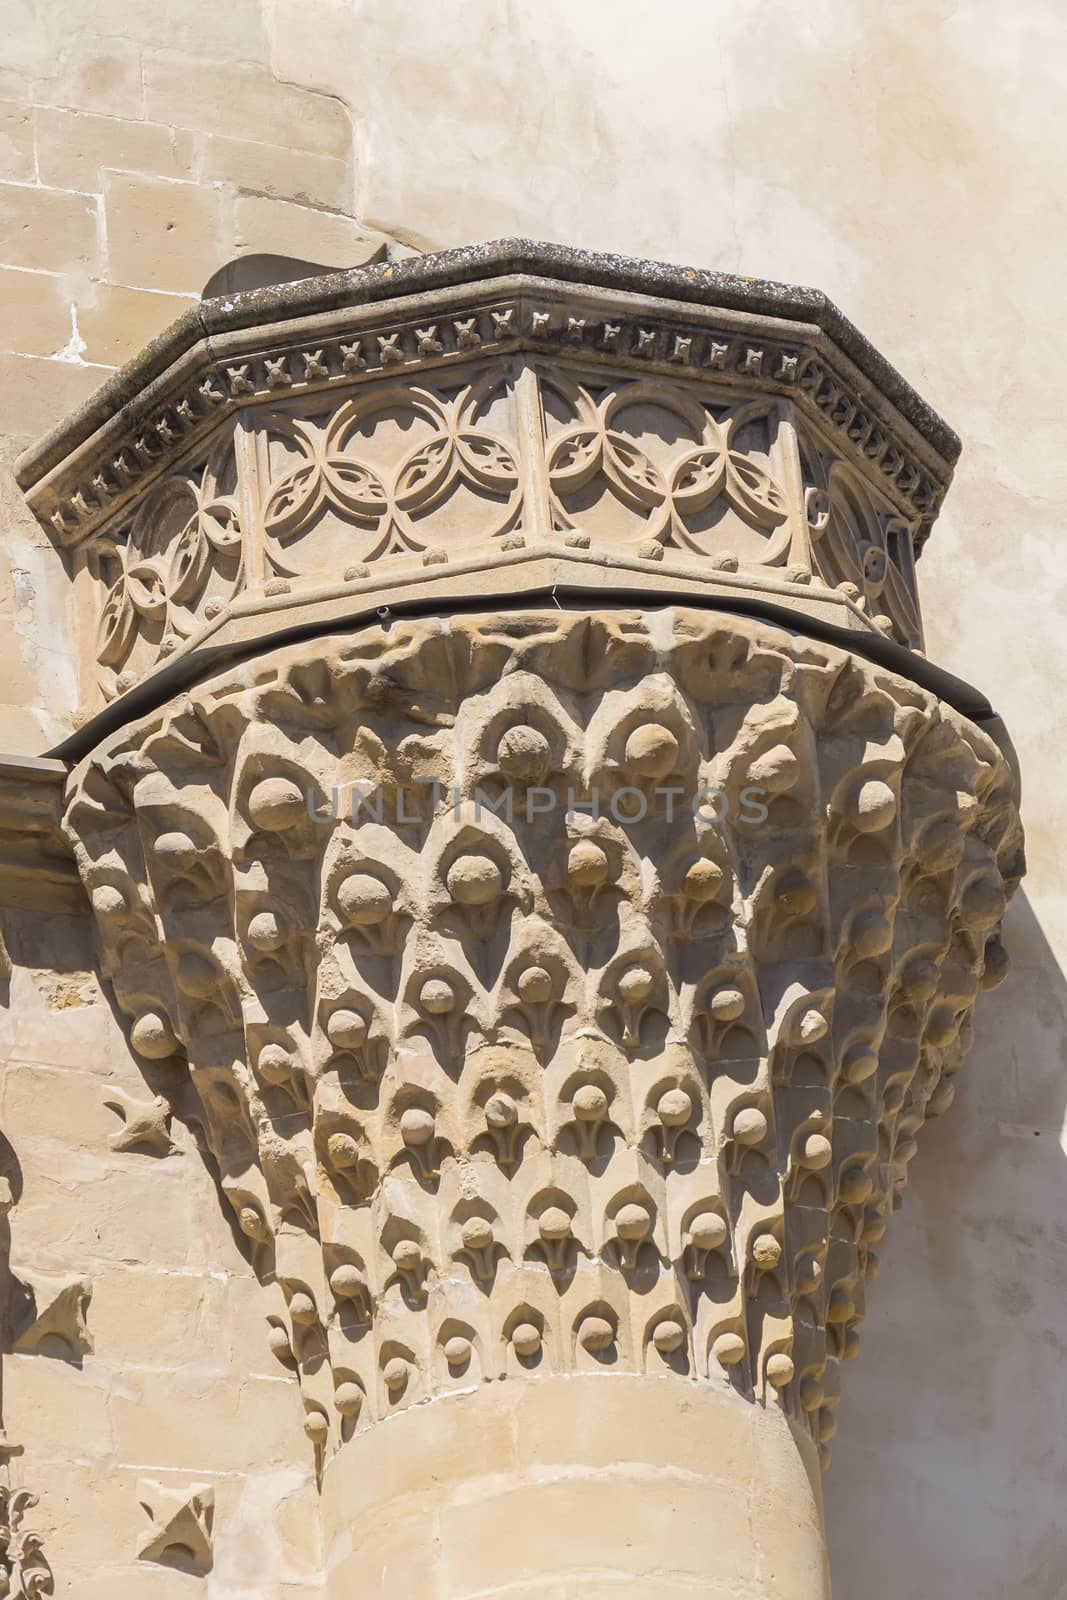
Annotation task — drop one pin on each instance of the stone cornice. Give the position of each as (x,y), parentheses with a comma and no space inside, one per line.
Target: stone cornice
(364,286)
(421,316)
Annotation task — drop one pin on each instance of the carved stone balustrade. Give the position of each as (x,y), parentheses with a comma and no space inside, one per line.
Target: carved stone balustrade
(530,837)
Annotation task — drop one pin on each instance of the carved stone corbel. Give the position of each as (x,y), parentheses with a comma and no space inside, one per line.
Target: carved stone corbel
(563,979)
(404,1029)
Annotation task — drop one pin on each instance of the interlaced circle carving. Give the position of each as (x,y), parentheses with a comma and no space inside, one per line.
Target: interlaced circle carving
(401,473)
(395,502)
(183,551)
(689,469)
(860,546)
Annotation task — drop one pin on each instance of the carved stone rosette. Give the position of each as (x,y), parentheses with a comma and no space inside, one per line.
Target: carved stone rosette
(496,1084)
(527,840)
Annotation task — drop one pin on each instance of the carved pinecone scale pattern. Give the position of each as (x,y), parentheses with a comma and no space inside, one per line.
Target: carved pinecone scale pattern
(554,1092)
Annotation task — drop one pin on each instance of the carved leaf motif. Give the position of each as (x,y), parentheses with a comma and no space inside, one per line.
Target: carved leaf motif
(754,491)
(697,479)
(356,487)
(24,1571)
(291,500)
(423,473)
(487,460)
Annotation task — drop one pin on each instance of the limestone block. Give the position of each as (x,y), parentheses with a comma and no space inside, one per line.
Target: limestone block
(392,1557)
(263,1531)
(98,75)
(16,143)
(462,1449)
(143,1317)
(35,312)
(114,321)
(283,171)
(63,1106)
(47,1402)
(632,1527)
(266,224)
(88,1037)
(243,101)
(75,147)
(50,230)
(189,1421)
(234,32)
(146,1582)
(563,1423)
(34,393)
(94,1212)
(296,29)
(267,1532)
(163,235)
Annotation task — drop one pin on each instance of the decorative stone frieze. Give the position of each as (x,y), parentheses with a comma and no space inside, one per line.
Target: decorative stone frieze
(532,414)
(496,1084)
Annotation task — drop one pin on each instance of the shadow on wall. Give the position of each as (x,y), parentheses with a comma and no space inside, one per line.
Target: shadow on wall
(947,1475)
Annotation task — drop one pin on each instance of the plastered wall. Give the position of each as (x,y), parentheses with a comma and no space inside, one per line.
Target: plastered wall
(907,160)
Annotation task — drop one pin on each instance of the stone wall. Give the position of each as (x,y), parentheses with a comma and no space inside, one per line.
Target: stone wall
(140,150)
(899,158)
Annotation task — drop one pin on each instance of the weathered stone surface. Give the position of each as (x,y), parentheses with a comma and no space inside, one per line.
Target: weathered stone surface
(16,142)
(46,228)
(529,1074)
(728,162)
(75,148)
(287,174)
(142,213)
(556,993)
(243,101)
(541,433)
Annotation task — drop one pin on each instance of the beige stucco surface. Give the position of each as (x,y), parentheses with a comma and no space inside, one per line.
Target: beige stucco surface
(904,159)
